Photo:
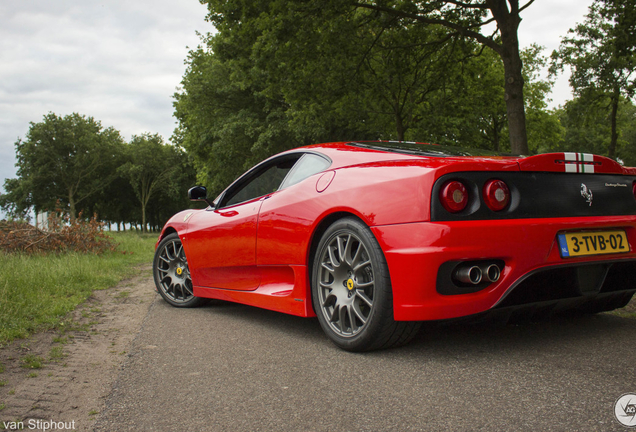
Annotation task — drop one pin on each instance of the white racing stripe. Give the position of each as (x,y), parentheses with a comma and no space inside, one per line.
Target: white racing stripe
(579,166)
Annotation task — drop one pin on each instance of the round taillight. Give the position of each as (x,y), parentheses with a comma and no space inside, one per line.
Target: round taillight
(454,196)
(496,195)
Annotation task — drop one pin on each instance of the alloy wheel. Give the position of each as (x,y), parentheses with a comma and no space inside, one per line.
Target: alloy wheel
(346,284)
(173,274)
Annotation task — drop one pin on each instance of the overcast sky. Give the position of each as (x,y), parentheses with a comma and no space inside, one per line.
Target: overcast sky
(120,61)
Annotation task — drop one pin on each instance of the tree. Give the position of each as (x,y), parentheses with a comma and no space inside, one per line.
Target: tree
(602,55)
(465,19)
(18,200)
(544,128)
(117,203)
(471,111)
(344,69)
(174,198)
(152,165)
(284,73)
(69,159)
(279,20)
(402,73)
(587,129)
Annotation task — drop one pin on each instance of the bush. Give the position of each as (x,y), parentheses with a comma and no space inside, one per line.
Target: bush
(62,236)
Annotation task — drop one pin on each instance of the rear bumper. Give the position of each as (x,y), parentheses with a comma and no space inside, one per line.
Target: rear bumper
(533,272)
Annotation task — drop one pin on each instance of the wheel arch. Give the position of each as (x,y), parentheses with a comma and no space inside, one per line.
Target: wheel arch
(165,233)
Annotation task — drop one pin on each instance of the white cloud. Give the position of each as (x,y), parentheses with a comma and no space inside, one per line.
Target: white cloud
(117,61)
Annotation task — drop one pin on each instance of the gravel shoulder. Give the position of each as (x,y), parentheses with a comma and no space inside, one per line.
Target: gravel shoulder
(66,375)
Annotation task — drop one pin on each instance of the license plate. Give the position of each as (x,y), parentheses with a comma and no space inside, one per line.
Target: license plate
(592,243)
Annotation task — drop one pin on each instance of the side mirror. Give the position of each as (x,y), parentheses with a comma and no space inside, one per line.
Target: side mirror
(199,193)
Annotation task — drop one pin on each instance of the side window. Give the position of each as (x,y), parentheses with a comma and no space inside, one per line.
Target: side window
(266,181)
(308,165)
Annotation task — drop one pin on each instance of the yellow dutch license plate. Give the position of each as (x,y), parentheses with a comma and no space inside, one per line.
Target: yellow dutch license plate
(592,243)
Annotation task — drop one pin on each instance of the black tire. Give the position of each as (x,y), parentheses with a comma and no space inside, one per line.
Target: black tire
(351,290)
(172,275)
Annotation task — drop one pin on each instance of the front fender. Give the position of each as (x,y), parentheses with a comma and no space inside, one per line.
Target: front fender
(177,223)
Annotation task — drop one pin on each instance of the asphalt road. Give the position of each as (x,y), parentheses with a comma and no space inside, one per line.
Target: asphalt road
(237,368)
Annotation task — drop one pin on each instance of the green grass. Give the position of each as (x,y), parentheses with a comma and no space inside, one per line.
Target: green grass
(57,353)
(36,292)
(31,361)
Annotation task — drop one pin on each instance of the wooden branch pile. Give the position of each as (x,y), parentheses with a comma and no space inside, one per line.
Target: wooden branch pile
(79,236)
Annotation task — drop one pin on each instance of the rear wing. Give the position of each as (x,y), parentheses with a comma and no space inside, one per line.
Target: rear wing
(573,163)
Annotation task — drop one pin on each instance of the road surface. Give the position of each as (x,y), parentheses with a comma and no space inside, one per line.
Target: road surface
(238,368)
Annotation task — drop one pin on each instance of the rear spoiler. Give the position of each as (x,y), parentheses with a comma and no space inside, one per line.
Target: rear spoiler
(573,163)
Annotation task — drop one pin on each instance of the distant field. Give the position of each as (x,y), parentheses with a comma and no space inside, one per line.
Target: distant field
(36,292)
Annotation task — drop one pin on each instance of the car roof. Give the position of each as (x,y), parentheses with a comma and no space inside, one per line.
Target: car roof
(361,152)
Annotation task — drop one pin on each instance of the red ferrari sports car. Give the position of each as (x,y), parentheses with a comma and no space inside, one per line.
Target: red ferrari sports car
(375,237)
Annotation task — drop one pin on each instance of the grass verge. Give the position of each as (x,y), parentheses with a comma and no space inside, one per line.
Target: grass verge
(37,291)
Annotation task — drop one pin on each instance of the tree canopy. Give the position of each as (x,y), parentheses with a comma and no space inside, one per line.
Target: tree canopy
(66,159)
(74,164)
(284,73)
(602,55)
(152,168)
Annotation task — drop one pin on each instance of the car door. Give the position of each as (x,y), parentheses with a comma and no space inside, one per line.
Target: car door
(285,218)
(221,241)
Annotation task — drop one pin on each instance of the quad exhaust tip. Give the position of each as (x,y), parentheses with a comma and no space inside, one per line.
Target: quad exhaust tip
(492,273)
(472,274)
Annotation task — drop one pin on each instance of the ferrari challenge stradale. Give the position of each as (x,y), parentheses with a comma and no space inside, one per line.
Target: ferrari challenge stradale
(375,237)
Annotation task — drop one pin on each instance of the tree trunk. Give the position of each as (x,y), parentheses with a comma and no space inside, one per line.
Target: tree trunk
(143,219)
(508,22)
(614,114)
(495,131)
(71,203)
(514,105)
(399,125)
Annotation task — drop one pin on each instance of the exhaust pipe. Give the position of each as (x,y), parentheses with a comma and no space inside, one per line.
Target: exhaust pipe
(491,272)
(468,275)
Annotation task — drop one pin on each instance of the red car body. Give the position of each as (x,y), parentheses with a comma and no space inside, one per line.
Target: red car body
(260,252)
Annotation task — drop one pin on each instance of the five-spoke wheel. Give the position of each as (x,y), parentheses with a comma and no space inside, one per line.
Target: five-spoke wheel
(172,275)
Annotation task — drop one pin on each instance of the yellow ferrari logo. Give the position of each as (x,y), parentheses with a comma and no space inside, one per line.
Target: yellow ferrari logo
(349,284)
(186,217)
(179,271)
